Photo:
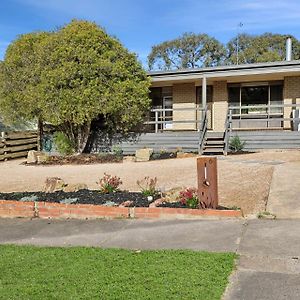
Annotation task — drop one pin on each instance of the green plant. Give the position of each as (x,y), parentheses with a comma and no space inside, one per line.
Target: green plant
(266,215)
(189,198)
(109,184)
(104,273)
(63,143)
(69,77)
(148,186)
(117,150)
(236,144)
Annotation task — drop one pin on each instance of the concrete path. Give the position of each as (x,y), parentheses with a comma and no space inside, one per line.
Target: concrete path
(284,196)
(269,264)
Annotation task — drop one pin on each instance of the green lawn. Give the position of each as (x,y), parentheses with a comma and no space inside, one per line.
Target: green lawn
(92,273)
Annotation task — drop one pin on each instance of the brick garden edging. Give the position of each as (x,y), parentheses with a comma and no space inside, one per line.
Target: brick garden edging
(45,210)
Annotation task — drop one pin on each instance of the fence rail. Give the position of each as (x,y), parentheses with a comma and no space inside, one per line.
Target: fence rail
(262,116)
(16,144)
(160,118)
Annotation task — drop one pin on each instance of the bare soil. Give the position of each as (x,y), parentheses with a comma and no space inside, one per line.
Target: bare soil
(244,180)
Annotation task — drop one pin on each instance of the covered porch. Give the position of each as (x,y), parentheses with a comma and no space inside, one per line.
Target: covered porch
(251,98)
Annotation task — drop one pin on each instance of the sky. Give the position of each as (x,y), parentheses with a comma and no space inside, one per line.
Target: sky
(140,24)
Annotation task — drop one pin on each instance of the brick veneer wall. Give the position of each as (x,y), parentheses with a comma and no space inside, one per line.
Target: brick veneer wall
(184,96)
(220,105)
(291,95)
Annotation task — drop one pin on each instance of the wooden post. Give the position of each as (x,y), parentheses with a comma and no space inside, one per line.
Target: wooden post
(207,182)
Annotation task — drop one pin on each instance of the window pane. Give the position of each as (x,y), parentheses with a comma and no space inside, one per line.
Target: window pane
(276,97)
(234,98)
(254,96)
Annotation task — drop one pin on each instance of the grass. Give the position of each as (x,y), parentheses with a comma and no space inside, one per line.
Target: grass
(28,272)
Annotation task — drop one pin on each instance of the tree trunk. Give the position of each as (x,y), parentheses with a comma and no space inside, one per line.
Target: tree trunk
(83,132)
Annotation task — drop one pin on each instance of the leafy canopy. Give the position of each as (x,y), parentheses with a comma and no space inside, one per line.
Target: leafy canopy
(200,50)
(187,51)
(71,76)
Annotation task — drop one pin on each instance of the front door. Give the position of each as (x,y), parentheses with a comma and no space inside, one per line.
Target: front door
(167,114)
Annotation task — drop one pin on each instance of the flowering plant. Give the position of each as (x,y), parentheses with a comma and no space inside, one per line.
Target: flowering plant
(148,186)
(189,198)
(109,184)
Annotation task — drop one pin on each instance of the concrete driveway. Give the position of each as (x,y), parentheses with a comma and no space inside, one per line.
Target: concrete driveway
(269,264)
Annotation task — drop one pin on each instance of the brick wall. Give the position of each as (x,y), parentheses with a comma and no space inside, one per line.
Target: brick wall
(291,95)
(45,210)
(220,105)
(184,96)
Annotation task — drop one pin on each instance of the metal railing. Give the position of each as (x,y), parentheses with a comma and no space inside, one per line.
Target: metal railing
(272,116)
(268,117)
(163,118)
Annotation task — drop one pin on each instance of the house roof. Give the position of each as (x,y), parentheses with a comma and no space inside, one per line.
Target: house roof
(284,67)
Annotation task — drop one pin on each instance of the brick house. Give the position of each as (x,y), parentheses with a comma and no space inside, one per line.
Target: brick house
(206,107)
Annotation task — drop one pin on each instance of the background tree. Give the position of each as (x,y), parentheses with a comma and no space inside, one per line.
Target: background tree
(260,48)
(78,73)
(187,51)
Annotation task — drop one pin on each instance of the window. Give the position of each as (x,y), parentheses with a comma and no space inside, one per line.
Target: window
(209,94)
(255,94)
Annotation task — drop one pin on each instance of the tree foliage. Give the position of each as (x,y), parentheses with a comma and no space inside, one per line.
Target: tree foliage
(260,48)
(187,51)
(192,50)
(71,76)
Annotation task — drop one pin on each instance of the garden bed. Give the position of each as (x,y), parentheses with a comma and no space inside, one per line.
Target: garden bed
(163,155)
(82,159)
(133,199)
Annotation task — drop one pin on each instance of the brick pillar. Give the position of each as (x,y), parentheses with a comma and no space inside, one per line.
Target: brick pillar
(184,96)
(291,95)
(220,105)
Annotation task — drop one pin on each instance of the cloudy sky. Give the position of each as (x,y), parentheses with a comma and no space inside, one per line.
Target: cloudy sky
(139,24)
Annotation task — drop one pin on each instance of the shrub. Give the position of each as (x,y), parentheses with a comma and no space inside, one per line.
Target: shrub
(63,143)
(117,150)
(236,144)
(148,186)
(109,184)
(189,198)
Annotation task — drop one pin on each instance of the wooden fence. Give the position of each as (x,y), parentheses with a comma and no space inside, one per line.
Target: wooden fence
(16,144)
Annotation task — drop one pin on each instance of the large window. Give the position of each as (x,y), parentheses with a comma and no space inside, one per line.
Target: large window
(259,97)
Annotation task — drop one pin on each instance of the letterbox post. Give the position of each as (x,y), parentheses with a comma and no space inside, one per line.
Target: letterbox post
(207,181)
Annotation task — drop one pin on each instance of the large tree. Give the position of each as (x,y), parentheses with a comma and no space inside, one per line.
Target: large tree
(71,76)
(187,51)
(260,48)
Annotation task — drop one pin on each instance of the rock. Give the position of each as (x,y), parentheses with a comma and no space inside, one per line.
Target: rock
(53,184)
(128,159)
(74,187)
(185,155)
(143,154)
(126,203)
(157,202)
(173,194)
(34,157)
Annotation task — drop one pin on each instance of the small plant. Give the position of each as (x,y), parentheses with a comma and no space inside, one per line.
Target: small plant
(109,184)
(236,145)
(266,215)
(148,186)
(68,200)
(189,198)
(63,143)
(117,150)
(32,198)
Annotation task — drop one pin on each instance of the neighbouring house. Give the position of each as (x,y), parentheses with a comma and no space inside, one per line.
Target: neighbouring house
(201,109)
